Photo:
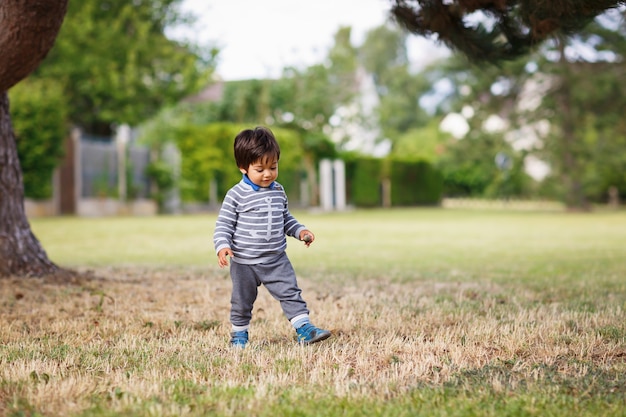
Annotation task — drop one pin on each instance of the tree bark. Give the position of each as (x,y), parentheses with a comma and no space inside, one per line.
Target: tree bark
(20,251)
(28,29)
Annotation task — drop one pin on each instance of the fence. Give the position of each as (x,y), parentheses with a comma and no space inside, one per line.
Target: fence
(100,176)
(105,164)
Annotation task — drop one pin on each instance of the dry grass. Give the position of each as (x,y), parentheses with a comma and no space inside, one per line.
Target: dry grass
(125,336)
(433,312)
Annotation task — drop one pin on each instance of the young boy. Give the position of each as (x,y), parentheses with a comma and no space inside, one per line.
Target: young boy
(251,228)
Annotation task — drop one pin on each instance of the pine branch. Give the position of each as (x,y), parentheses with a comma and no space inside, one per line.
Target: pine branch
(514,27)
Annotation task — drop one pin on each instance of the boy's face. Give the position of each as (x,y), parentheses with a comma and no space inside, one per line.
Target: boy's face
(262,172)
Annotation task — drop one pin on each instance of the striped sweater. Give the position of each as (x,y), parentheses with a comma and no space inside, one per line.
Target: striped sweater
(254,224)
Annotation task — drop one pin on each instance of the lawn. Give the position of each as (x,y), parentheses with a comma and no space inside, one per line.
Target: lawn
(433,312)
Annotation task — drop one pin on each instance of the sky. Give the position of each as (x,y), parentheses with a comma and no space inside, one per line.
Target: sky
(258,38)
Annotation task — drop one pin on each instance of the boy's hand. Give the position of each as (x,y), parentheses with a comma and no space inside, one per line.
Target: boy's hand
(222,261)
(307,237)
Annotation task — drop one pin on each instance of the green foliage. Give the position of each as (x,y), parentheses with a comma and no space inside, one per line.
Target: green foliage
(384,55)
(306,99)
(301,101)
(384,47)
(39,116)
(343,67)
(243,102)
(585,146)
(363,181)
(115,64)
(315,143)
(206,152)
(512,183)
(207,156)
(511,180)
(610,162)
(161,129)
(399,109)
(414,182)
(162,175)
(427,143)
(314,97)
(569,95)
(468,166)
(601,130)
(283,104)
(291,166)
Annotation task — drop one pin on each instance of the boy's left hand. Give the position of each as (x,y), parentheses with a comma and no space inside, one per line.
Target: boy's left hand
(307,237)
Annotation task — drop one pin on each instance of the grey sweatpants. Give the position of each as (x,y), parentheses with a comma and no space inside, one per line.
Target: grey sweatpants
(277,276)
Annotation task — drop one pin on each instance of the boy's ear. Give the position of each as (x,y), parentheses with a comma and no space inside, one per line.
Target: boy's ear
(243,171)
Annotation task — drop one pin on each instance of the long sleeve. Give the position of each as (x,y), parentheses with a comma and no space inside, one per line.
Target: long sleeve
(225,224)
(254,224)
(292,226)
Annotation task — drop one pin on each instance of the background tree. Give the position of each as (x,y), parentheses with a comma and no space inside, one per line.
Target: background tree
(585,106)
(384,55)
(513,27)
(487,96)
(27,32)
(342,64)
(117,66)
(563,103)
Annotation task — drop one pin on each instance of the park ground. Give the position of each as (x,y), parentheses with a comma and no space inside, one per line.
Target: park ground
(434,312)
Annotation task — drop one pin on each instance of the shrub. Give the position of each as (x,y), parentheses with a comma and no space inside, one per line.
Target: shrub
(363,178)
(207,156)
(414,183)
(39,116)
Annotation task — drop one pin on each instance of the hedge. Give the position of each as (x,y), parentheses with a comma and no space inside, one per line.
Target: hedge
(207,154)
(412,182)
(363,181)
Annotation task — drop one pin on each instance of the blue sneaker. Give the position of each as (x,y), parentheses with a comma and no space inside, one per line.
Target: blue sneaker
(308,334)
(239,339)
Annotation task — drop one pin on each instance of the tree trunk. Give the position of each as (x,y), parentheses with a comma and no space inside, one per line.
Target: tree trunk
(20,251)
(28,29)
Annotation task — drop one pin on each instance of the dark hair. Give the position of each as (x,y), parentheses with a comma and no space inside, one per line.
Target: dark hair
(254,145)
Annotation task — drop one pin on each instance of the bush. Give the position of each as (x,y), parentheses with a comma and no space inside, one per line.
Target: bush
(207,154)
(414,183)
(363,181)
(162,175)
(39,117)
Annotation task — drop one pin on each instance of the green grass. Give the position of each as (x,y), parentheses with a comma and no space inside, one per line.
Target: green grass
(400,244)
(433,313)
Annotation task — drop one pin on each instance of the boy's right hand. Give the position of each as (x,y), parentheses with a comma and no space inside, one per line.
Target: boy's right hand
(222,261)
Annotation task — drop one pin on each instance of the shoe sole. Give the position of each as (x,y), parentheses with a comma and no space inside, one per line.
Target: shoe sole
(316,339)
